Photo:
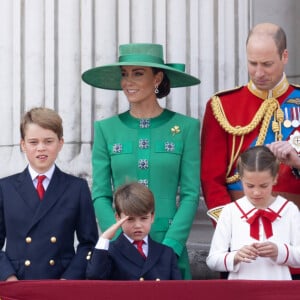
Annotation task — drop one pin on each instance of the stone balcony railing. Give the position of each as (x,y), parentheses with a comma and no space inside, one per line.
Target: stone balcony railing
(199,243)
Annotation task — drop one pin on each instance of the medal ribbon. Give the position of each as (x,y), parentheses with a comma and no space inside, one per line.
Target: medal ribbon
(286,132)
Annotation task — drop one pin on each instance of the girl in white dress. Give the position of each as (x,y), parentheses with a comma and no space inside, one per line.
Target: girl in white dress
(257,236)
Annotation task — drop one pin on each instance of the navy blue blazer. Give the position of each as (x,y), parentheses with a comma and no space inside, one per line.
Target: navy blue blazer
(39,235)
(122,261)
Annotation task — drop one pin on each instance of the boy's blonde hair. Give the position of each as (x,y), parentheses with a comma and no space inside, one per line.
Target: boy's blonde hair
(44,117)
(134,199)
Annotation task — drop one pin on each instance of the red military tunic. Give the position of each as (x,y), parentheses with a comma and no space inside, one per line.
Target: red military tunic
(239,106)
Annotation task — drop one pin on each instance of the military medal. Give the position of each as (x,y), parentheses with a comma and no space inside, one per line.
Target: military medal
(294,140)
(295,122)
(287,122)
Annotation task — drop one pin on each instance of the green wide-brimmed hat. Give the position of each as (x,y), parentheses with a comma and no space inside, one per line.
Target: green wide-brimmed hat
(146,55)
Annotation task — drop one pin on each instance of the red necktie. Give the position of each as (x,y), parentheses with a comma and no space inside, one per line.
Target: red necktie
(40,188)
(267,218)
(139,245)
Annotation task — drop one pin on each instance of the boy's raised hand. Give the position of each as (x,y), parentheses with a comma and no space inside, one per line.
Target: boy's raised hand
(111,231)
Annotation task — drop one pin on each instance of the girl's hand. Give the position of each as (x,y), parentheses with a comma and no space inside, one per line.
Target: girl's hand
(267,249)
(246,254)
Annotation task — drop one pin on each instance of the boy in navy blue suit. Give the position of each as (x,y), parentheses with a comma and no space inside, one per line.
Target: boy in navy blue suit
(39,225)
(121,259)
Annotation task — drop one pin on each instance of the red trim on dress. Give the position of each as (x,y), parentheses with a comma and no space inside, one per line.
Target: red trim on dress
(287,253)
(267,216)
(225,264)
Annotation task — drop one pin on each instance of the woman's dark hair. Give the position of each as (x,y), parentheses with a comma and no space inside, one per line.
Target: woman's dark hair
(165,86)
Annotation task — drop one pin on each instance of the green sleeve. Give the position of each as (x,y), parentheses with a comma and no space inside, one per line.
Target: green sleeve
(101,185)
(179,230)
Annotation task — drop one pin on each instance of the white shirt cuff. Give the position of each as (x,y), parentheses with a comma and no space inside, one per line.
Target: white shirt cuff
(102,244)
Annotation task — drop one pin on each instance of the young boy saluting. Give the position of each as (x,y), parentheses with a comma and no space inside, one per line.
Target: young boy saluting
(38,217)
(133,255)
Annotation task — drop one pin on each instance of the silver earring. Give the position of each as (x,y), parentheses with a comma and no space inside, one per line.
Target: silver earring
(156,90)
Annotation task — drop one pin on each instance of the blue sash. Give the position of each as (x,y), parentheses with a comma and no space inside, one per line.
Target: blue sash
(270,137)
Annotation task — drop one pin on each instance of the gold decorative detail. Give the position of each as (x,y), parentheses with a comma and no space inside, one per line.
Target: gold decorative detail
(297,86)
(294,101)
(175,129)
(232,179)
(219,93)
(27,263)
(269,107)
(280,115)
(279,90)
(88,257)
(51,262)
(53,239)
(214,213)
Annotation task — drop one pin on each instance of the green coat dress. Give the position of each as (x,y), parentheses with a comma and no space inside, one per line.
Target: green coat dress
(162,153)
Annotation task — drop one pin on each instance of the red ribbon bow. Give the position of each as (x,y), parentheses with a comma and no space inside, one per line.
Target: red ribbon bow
(267,218)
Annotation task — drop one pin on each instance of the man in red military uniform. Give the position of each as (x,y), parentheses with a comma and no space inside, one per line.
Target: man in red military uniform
(265,111)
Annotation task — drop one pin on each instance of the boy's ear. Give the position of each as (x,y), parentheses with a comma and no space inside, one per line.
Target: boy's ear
(22,145)
(152,217)
(61,143)
(117,217)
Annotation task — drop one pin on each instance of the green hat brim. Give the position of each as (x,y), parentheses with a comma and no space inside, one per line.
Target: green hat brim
(109,76)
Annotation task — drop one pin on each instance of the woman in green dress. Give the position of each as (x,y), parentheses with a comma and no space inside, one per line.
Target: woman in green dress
(148,144)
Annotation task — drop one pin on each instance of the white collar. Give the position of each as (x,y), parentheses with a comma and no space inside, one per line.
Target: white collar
(34,173)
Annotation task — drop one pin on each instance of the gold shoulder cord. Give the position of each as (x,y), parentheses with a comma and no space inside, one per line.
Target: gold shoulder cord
(268,108)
